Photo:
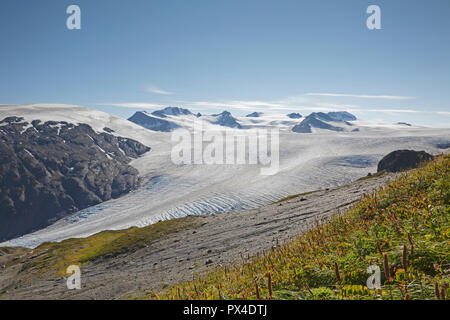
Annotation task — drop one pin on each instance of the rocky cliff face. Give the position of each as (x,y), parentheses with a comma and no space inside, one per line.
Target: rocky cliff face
(51,169)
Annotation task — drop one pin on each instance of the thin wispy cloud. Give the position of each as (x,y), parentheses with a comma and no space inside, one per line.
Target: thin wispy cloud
(289,104)
(444,113)
(235,104)
(340,106)
(153,89)
(391,110)
(255,105)
(139,105)
(356,108)
(364,96)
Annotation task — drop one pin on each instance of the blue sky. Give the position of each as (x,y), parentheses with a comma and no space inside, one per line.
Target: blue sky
(240,55)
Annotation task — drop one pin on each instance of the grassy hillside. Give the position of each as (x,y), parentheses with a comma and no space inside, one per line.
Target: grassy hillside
(403,229)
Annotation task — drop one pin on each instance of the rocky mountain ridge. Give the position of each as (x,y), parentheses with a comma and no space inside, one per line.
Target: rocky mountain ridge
(51,169)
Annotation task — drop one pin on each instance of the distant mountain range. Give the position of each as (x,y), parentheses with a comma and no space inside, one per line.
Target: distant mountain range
(171,118)
(159,121)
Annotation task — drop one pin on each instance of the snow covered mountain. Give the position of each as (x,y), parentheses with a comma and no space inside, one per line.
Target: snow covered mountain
(225,119)
(149,121)
(320,120)
(171,111)
(311,122)
(320,159)
(171,118)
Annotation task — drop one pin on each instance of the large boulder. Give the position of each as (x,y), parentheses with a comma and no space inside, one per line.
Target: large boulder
(401,160)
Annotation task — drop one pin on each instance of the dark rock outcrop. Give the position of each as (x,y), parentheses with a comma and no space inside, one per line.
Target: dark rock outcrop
(321,116)
(341,116)
(147,121)
(51,169)
(254,115)
(294,115)
(401,160)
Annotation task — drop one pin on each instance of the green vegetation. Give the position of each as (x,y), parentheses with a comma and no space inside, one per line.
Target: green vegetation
(372,175)
(403,229)
(293,196)
(57,256)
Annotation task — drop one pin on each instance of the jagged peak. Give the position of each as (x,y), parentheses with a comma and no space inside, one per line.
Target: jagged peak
(294,115)
(254,114)
(171,111)
(223,113)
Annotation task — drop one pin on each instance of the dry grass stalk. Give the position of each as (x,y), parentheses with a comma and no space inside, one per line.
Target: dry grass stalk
(387,274)
(412,244)
(405,258)
(269,284)
(336,270)
(379,248)
(258,296)
(436,291)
